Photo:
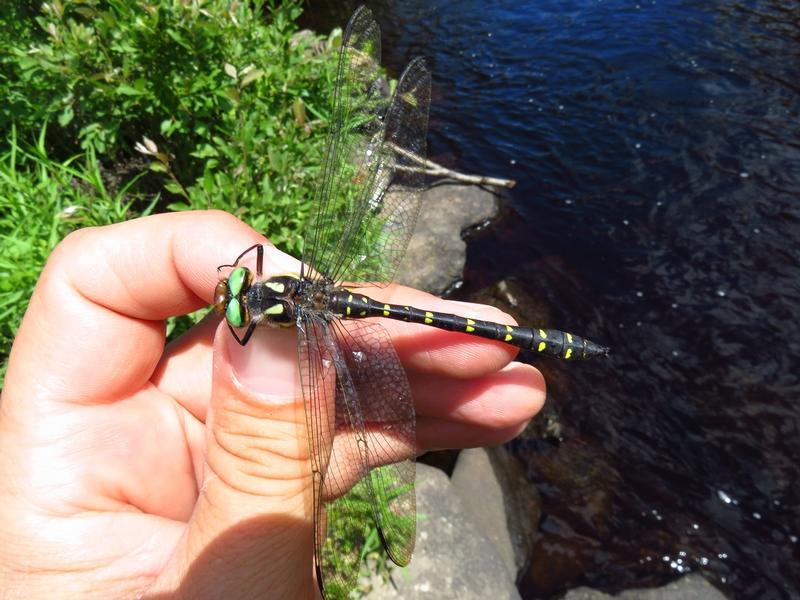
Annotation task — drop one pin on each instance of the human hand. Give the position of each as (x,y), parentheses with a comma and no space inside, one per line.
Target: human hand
(132,470)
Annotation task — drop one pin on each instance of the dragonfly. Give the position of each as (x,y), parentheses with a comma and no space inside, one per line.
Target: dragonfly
(358,406)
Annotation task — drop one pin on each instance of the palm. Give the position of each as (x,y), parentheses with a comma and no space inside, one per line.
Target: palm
(130,465)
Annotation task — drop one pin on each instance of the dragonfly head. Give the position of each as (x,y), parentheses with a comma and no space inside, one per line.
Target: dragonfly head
(230,296)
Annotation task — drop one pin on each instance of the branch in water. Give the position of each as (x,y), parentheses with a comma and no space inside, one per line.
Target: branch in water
(436,170)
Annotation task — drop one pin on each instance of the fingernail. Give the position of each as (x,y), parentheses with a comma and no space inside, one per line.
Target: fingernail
(268,363)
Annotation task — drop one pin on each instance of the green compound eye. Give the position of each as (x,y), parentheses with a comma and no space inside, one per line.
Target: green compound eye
(233,313)
(236,280)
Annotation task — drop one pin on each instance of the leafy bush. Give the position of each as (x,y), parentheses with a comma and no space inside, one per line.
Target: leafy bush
(223,88)
(226,90)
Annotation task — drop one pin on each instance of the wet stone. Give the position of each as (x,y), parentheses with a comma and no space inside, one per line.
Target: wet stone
(436,253)
(691,587)
(501,502)
(453,559)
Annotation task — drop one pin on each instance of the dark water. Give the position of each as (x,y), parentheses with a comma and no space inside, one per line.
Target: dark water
(657,150)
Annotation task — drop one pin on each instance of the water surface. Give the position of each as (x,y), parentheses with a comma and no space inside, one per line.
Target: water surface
(657,149)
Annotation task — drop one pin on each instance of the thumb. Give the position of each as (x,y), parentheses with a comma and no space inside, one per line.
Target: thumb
(251,533)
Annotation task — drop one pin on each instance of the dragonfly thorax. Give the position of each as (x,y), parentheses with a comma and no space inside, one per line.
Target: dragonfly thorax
(244,300)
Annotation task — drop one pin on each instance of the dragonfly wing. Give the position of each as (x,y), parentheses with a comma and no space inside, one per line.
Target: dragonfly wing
(361,431)
(357,105)
(387,413)
(368,195)
(318,382)
(394,197)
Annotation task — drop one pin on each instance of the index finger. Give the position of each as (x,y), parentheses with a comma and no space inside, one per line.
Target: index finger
(94,328)
(429,350)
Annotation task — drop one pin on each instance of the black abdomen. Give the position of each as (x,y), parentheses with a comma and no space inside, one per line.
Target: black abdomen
(550,342)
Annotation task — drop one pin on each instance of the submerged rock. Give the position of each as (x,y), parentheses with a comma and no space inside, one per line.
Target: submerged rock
(691,587)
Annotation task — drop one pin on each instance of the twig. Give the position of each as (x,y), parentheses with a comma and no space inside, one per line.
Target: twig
(440,171)
(436,170)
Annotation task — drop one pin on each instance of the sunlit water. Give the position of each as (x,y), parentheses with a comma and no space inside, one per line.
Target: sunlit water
(657,149)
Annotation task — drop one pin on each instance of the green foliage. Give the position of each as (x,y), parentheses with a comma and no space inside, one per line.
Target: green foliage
(106,73)
(354,545)
(41,201)
(223,88)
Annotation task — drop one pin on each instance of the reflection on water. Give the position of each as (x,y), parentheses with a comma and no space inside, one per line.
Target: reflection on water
(657,149)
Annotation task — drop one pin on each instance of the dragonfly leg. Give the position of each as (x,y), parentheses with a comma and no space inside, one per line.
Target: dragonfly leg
(246,338)
(259,248)
(259,259)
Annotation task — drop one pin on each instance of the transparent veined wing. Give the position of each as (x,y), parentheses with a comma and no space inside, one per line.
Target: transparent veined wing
(387,412)
(368,195)
(361,429)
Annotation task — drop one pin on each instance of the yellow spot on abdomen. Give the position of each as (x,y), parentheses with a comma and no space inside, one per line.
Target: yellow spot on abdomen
(508,337)
(569,337)
(541,346)
(428,318)
(386,308)
(470,324)
(568,353)
(543,334)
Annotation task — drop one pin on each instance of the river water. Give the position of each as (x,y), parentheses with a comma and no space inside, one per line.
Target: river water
(656,146)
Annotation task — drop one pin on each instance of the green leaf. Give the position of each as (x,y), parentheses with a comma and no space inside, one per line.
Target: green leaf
(252,76)
(205,151)
(127,90)
(66,116)
(174,188)
(178,38)
(335,38)
(299,110)
(167,126)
